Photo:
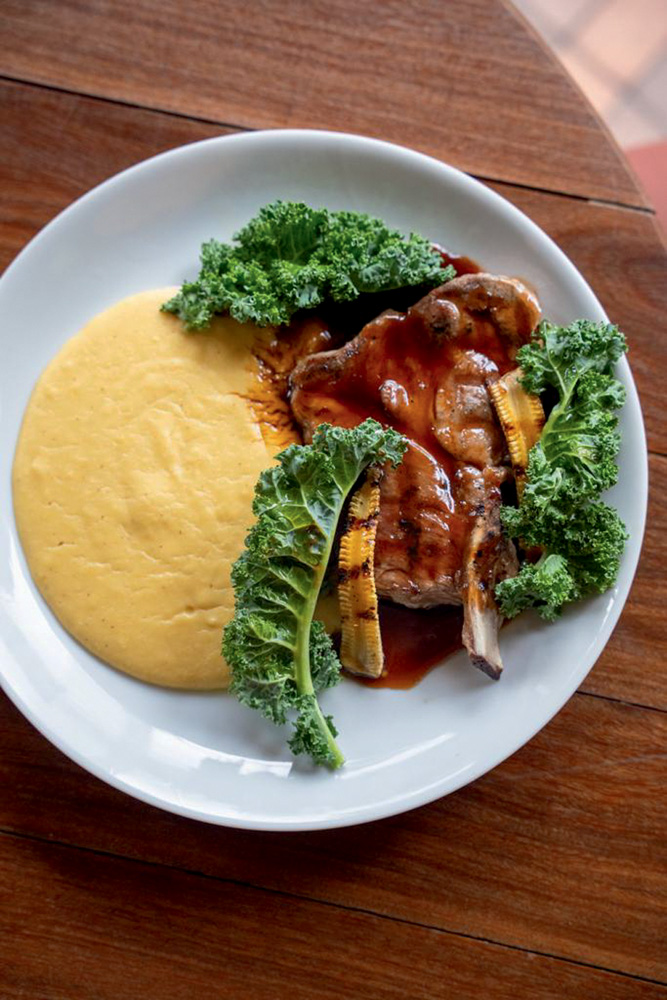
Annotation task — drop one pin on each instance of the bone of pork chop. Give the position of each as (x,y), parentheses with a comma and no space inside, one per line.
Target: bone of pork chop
(490,557)
(425,372)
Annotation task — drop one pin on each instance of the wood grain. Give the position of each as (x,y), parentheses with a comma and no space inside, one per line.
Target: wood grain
(82,926)
(452,80)
(93,139)
(560,850)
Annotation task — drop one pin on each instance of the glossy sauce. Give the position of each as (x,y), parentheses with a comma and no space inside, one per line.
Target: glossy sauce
(394,373)
(275,353)
(415,641)
(461,264)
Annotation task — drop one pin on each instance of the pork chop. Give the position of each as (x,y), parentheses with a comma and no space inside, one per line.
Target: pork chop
(425,373)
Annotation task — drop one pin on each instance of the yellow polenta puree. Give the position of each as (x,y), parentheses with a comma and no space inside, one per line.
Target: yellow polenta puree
(133,483)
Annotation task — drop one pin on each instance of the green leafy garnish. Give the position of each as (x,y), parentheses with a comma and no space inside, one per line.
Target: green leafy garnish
(291,257)
(573,462)
(279,657)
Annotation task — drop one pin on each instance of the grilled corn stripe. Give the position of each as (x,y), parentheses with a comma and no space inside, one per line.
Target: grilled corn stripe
(521,418)
(361,643)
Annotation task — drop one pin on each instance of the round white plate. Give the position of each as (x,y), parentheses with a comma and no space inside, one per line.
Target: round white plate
(204,755)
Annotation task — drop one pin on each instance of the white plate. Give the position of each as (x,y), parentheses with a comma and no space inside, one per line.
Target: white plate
(203,755)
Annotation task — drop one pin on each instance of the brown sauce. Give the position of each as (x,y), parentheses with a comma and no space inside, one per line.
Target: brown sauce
(461,264)
(275,354)
(425,514)
(415,641)
(277,351)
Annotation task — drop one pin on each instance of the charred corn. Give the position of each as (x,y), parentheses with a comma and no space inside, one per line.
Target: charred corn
(521,418)
(361,643)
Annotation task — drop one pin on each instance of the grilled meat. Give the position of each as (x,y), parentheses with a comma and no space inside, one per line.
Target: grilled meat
(425,372)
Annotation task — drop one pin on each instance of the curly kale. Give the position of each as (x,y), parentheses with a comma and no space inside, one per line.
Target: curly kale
(581,555)
(279,657)
(574,461)
(291,257)
(546,584)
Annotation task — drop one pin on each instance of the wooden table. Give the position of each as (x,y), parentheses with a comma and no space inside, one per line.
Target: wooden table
(547,877)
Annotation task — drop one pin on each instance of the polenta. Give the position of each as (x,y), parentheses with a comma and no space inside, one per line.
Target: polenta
(133,483)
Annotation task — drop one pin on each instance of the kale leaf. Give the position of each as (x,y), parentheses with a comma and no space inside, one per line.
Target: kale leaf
(279,657)
(291,257)
(573,462)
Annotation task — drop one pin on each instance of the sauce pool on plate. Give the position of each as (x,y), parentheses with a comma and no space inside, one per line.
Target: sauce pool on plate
(415,641)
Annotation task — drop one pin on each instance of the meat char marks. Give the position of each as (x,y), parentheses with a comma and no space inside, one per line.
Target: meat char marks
(425,373)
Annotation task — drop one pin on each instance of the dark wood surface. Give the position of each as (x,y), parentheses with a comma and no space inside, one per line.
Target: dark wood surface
(463,81)
(547,877)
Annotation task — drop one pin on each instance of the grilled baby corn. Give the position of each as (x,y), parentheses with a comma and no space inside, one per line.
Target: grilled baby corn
(361,643)
(521,418)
